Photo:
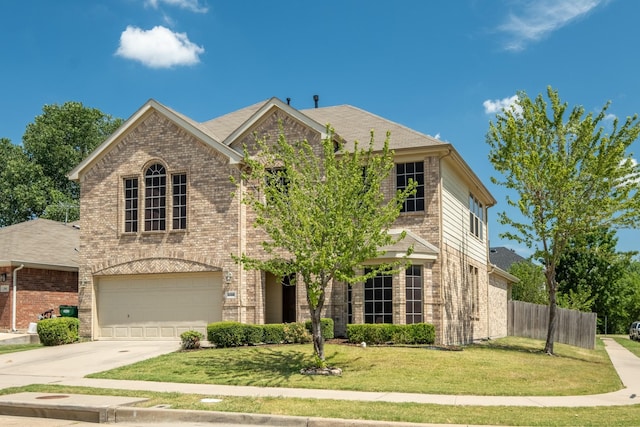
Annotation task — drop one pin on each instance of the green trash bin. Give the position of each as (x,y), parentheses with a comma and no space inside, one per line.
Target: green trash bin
(69,311)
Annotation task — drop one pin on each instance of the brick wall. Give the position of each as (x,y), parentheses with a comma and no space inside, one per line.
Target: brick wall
(37,291)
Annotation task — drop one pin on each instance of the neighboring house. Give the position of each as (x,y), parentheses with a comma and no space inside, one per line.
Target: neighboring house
(503,257)
(159,223)
(42,256)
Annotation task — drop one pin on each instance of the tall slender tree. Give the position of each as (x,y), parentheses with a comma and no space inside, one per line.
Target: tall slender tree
(323,212)
(566,175)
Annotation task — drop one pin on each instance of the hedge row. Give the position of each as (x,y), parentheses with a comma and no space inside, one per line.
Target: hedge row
(59,330)
(417,333)
(235,334)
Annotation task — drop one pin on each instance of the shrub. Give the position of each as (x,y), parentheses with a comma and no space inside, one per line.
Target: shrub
(226,334)
(59,330)
(296,333)
(254,334)
(423,333)
(326,327)
(417,333)
(190,340)
(273,333)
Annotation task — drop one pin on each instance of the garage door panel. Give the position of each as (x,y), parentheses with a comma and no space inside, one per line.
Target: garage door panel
(157,306)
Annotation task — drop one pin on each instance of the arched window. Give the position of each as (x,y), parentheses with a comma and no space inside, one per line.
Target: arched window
(155,198)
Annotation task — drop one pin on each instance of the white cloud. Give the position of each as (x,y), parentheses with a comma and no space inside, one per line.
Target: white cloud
(493,106)
(191,5)
(538,18)
(158,47)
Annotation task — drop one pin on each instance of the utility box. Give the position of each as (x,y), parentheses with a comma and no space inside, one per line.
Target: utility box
(68,311)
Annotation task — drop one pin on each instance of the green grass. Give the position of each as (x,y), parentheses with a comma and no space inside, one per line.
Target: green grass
(505,367)
(511,366)
(381,411)
(13,348)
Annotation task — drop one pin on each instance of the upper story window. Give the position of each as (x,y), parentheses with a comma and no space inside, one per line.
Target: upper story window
(155,198)
(179,182)
(476,217)
(131,205)
(411,171)
(165,200)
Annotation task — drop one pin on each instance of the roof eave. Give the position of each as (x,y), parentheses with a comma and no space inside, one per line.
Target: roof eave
(39,265)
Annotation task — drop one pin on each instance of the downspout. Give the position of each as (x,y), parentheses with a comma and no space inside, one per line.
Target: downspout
(15,299)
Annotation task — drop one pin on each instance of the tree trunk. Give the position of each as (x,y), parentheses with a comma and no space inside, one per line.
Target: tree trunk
(316,332)
(316,327)
(553,309)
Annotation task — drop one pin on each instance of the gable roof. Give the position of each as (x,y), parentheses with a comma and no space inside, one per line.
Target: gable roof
(191,126)
(503,257)
(40,243)
(422,249)
(349,123)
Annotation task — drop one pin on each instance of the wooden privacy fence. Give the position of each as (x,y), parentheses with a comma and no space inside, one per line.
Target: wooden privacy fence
(532,321)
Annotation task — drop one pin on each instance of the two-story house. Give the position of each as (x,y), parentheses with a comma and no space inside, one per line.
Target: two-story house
(160,221)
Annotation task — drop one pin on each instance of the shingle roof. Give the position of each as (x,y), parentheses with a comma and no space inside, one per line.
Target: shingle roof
(349,122)
(421,248)
(503,257)
(40,241)
(225,125)
(354,124)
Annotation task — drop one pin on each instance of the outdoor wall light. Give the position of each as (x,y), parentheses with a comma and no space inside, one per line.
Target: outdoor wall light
(228,276)
(3,277)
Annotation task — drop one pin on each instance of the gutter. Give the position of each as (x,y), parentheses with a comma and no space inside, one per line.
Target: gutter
(15,299)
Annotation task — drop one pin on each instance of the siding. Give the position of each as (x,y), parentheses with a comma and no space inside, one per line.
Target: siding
(455,217)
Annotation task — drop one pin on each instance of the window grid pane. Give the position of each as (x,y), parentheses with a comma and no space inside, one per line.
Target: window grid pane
(180,202)
(414,294)
(131,205)
(476,217)
(155,198)
(411,171)
(378,299)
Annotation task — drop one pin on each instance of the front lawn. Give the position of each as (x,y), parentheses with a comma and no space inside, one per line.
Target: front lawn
(506,367)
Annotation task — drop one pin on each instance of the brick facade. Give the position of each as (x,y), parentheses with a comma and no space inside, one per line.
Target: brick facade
(37,291)
(218,225)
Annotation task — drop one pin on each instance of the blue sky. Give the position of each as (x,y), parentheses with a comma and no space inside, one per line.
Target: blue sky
(443,68)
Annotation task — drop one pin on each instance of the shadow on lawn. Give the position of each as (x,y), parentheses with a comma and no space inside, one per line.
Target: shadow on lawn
(529,349)
(259,366)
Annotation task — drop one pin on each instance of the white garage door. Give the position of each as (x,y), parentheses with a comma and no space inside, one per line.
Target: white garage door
(157,306)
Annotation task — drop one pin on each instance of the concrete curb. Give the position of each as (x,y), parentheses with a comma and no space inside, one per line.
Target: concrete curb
(155,415)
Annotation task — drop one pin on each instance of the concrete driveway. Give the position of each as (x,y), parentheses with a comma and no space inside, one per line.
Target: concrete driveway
(53,364)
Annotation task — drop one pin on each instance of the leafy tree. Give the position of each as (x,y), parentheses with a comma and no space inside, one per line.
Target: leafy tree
(630,281)
(531,287)
(62,136)
(569,176)
(33,177)
(24,190)
(324,214)
(591,265)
